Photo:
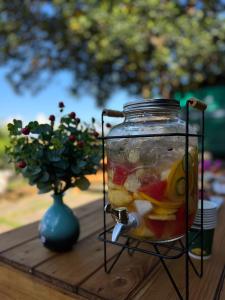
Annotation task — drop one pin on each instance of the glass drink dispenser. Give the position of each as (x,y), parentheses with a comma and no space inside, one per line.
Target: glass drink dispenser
(146,173)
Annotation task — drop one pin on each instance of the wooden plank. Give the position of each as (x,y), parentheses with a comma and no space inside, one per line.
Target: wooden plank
(32,253)
(18,236)
(71,268)
(199,288)
(28,232)
(221,295)
(220,291)
(16,285)
(127,274)
(89,208)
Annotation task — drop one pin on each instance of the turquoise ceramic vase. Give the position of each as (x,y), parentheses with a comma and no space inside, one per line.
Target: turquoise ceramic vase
(59,228)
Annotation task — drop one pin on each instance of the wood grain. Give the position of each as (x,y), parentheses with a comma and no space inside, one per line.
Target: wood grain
(29,254)
(26,233)
(80,271)
(221,296)
(200,289)
(16,285)
(18,236)
(124,278)
(75,266)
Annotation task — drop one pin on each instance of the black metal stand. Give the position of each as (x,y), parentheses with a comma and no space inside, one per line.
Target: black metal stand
(163,251)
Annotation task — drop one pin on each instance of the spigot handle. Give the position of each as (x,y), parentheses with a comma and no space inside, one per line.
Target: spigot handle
(119,214)
(117,231)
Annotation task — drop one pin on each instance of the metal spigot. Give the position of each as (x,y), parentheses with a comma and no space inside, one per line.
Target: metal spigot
(124,220)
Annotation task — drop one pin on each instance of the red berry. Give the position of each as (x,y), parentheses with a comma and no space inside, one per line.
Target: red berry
(25,130)
(72,138)
(96,134)
(21,164)
(80,144)
(72,115)
(61,105)
(78,120)
(52,118)
(108,125)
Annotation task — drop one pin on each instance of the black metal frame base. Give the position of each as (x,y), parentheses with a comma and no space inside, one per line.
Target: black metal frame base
(159,249)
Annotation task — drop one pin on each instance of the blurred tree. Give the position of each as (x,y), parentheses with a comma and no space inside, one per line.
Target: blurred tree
(146,45)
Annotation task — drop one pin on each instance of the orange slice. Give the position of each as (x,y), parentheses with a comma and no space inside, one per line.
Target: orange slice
(162,217)
(164,204)
(164,211)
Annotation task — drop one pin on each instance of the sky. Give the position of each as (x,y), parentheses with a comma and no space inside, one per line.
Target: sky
(38,107)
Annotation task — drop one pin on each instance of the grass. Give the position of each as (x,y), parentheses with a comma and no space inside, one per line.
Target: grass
(9,222)
(4,141)
(16,183)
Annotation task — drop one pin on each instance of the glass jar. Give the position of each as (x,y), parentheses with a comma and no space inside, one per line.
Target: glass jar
(146,175)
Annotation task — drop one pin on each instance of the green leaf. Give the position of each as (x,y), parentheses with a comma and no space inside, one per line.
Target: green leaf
(55,155)
(82,164)
(40,128)
(44,187)
(33,180)
(35,170)
(13,130)
(62,164)
(75,169)
(33,126)
(45,177)
(18,123)
(82,183)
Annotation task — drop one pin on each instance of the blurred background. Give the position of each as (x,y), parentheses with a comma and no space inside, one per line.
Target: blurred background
(94,54)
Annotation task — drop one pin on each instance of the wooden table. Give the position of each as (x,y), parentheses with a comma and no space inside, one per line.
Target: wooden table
(28,271)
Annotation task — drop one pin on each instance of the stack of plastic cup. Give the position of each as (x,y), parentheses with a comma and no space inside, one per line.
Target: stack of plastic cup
(209,225)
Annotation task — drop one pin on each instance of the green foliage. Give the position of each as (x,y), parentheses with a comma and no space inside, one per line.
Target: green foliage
(142,46)
(4,141)
(54,157)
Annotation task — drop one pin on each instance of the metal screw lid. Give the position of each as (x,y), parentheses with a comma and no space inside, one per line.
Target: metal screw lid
(151,104)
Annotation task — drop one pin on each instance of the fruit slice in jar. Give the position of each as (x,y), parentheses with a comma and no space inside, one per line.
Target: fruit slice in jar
(176,182)
(191,167)
(166,203)
(180,186)
(164,211)
(120,174)
(162,217)
(155,189)
(132,183)
(157,227)
(119,197)
(142,231)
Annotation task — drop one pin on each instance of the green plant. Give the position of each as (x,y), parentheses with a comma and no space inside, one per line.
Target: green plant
(54,157)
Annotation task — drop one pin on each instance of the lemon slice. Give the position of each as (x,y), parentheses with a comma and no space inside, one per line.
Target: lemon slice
(120,197)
